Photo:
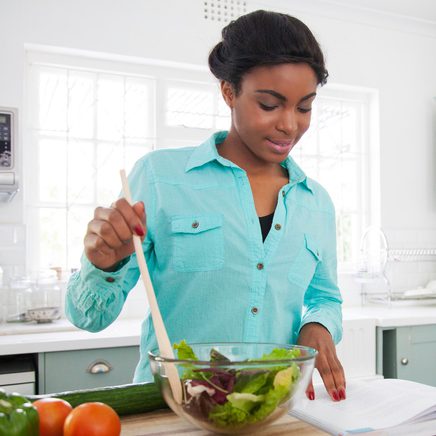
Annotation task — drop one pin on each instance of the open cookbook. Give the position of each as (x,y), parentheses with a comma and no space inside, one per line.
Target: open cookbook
(383,406)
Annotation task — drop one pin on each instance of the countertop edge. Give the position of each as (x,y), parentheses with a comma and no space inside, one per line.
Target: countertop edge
(126,332)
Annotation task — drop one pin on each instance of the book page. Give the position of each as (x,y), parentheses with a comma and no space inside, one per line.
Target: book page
(370,405)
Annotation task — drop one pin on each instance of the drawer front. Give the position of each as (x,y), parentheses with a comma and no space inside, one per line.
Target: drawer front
(84,369)
(22,388)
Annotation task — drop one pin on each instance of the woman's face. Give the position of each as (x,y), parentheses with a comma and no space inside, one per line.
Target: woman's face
(271,112)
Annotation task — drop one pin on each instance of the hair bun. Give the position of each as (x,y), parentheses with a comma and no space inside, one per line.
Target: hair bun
(264,38)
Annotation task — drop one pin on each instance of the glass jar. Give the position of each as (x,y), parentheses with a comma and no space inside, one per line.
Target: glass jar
(47,291)
(19,299)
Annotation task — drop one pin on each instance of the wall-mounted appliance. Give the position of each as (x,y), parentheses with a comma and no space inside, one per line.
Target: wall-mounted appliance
(8,154)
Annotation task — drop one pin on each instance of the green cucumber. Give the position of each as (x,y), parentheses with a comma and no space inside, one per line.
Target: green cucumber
(124,399)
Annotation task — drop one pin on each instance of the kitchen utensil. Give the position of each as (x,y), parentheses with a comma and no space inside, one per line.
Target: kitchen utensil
(44,314)
(159,327)
(18,317)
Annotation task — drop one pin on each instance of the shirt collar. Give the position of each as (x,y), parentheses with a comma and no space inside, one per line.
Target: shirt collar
(207,152)
(296,174)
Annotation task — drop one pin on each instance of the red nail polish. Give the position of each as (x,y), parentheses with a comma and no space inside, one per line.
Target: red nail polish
(342,394)
(139,231)
(311,396)
(335,395)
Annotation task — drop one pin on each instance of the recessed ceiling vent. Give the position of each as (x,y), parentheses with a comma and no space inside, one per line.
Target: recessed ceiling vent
(224,10)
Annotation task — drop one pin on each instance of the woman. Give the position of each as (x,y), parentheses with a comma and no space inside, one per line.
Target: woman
(240,244)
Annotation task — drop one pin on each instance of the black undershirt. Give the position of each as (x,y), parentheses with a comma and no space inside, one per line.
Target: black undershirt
(265,224)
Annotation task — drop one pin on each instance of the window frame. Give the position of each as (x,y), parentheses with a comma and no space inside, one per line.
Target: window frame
(166,73)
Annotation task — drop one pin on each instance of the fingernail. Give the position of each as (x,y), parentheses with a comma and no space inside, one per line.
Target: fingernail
(335,395)
(311,396)
(139,230)
(342,393)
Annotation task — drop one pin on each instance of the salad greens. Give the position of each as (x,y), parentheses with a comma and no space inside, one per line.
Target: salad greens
(230,397)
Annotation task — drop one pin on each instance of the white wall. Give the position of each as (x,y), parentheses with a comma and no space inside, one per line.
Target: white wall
(398,58)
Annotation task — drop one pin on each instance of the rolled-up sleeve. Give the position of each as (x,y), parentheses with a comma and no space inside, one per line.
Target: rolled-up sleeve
(95,298)
(322,300)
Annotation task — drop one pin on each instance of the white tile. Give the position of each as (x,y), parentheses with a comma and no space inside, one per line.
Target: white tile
(12,235)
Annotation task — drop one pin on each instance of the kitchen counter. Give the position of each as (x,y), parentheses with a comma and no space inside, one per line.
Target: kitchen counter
(395,316)
(62,335)
(165,422)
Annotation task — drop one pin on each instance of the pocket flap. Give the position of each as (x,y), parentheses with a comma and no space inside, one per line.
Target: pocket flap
(312,246)
(196,223)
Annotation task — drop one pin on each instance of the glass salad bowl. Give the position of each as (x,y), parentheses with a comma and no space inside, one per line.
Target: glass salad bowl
(235,388)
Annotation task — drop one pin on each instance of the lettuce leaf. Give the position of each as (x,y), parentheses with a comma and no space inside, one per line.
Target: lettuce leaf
(184,351)
(244,402)
(227,415)
(239,396)
(216,356)
(251,381)
(271,400)
(287,377)
(281,353)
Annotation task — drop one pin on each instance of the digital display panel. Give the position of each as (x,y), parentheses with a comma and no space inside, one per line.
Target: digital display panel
(5,141)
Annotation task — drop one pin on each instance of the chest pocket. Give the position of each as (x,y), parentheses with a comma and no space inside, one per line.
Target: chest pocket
(304,266)
(198,243)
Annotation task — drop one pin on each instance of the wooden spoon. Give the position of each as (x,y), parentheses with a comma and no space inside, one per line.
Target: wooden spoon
(161,334)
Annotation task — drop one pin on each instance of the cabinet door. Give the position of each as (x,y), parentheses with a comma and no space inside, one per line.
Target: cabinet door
(416,354)
(84,369)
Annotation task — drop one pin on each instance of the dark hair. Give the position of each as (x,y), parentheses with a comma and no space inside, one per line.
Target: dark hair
(264,38)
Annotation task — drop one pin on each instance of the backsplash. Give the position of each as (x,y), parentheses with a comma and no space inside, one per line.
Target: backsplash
(411,264)
(403,275)
(12,250)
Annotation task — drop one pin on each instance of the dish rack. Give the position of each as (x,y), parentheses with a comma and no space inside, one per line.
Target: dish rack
(373,272)
(413,255)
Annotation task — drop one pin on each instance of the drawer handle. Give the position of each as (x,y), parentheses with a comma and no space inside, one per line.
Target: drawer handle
(99,367)
(404,361)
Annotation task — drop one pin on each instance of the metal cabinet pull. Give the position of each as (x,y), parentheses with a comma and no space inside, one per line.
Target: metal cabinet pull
(404,361)
(99,367)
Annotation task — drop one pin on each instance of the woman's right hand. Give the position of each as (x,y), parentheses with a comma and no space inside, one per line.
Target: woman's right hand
(109,238)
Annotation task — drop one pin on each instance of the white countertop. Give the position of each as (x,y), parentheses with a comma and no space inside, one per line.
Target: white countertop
(61,335)
(394,316)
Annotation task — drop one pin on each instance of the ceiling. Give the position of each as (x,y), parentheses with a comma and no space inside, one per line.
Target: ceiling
(414,9)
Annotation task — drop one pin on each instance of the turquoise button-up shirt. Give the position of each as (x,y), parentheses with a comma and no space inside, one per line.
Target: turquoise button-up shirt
(214,277)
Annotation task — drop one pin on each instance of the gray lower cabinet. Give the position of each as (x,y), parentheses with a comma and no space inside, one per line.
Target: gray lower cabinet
(83,369)
(408,353)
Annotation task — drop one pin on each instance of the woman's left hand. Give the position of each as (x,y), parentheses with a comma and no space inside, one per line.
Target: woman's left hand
(317,336)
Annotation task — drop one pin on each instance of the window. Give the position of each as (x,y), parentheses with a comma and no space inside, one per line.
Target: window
(335,152)
(88,118)
(86,125)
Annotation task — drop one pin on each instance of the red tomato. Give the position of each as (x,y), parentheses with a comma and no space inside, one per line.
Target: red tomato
(92,419)
(52,414)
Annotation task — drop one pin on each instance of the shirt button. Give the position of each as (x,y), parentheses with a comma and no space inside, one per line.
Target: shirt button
(110,279)
(259,266)
(254,310)
(283,193)
(277,226)
(195,224)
